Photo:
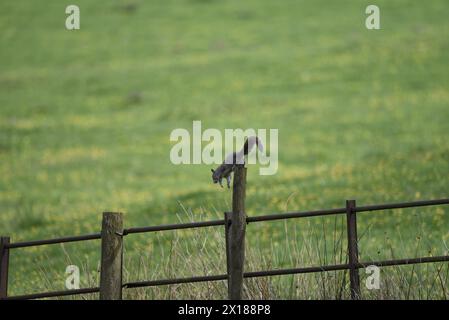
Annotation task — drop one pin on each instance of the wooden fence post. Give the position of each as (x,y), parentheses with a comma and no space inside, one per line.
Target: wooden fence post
(4,266)
(353,251)
(235,228)
(228,222)
(111,256)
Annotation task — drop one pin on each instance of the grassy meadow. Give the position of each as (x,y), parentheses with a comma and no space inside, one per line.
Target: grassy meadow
(362,114)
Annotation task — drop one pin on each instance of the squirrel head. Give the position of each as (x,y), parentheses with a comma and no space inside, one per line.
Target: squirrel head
(215,177)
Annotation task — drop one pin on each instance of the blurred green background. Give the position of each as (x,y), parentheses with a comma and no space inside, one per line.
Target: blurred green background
(86,116)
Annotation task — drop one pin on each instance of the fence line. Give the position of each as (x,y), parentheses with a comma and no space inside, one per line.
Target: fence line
(278,272)
(112,249)
(221,222)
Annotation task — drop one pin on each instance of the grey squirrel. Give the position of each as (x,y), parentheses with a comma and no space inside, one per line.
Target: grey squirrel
(233,159)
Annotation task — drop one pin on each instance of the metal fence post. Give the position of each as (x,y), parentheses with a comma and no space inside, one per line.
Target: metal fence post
(111,256)
(353,251)
(4,266)
(235,228)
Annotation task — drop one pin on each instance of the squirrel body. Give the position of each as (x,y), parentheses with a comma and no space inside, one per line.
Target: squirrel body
(233,159)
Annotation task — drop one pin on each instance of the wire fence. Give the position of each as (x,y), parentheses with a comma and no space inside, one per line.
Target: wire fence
(112,235)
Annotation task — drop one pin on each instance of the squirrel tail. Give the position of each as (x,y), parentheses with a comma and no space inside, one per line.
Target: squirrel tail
(250,143)
(239,157)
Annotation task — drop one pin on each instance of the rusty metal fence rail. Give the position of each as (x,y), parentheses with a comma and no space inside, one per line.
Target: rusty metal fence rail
(350,210)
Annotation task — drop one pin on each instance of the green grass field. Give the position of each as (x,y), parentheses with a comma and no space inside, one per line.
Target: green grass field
(86,117)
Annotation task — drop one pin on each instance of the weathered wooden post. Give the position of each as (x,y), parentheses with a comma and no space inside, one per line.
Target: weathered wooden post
(111,256)
(235,227)
(353,251)
(4,266)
